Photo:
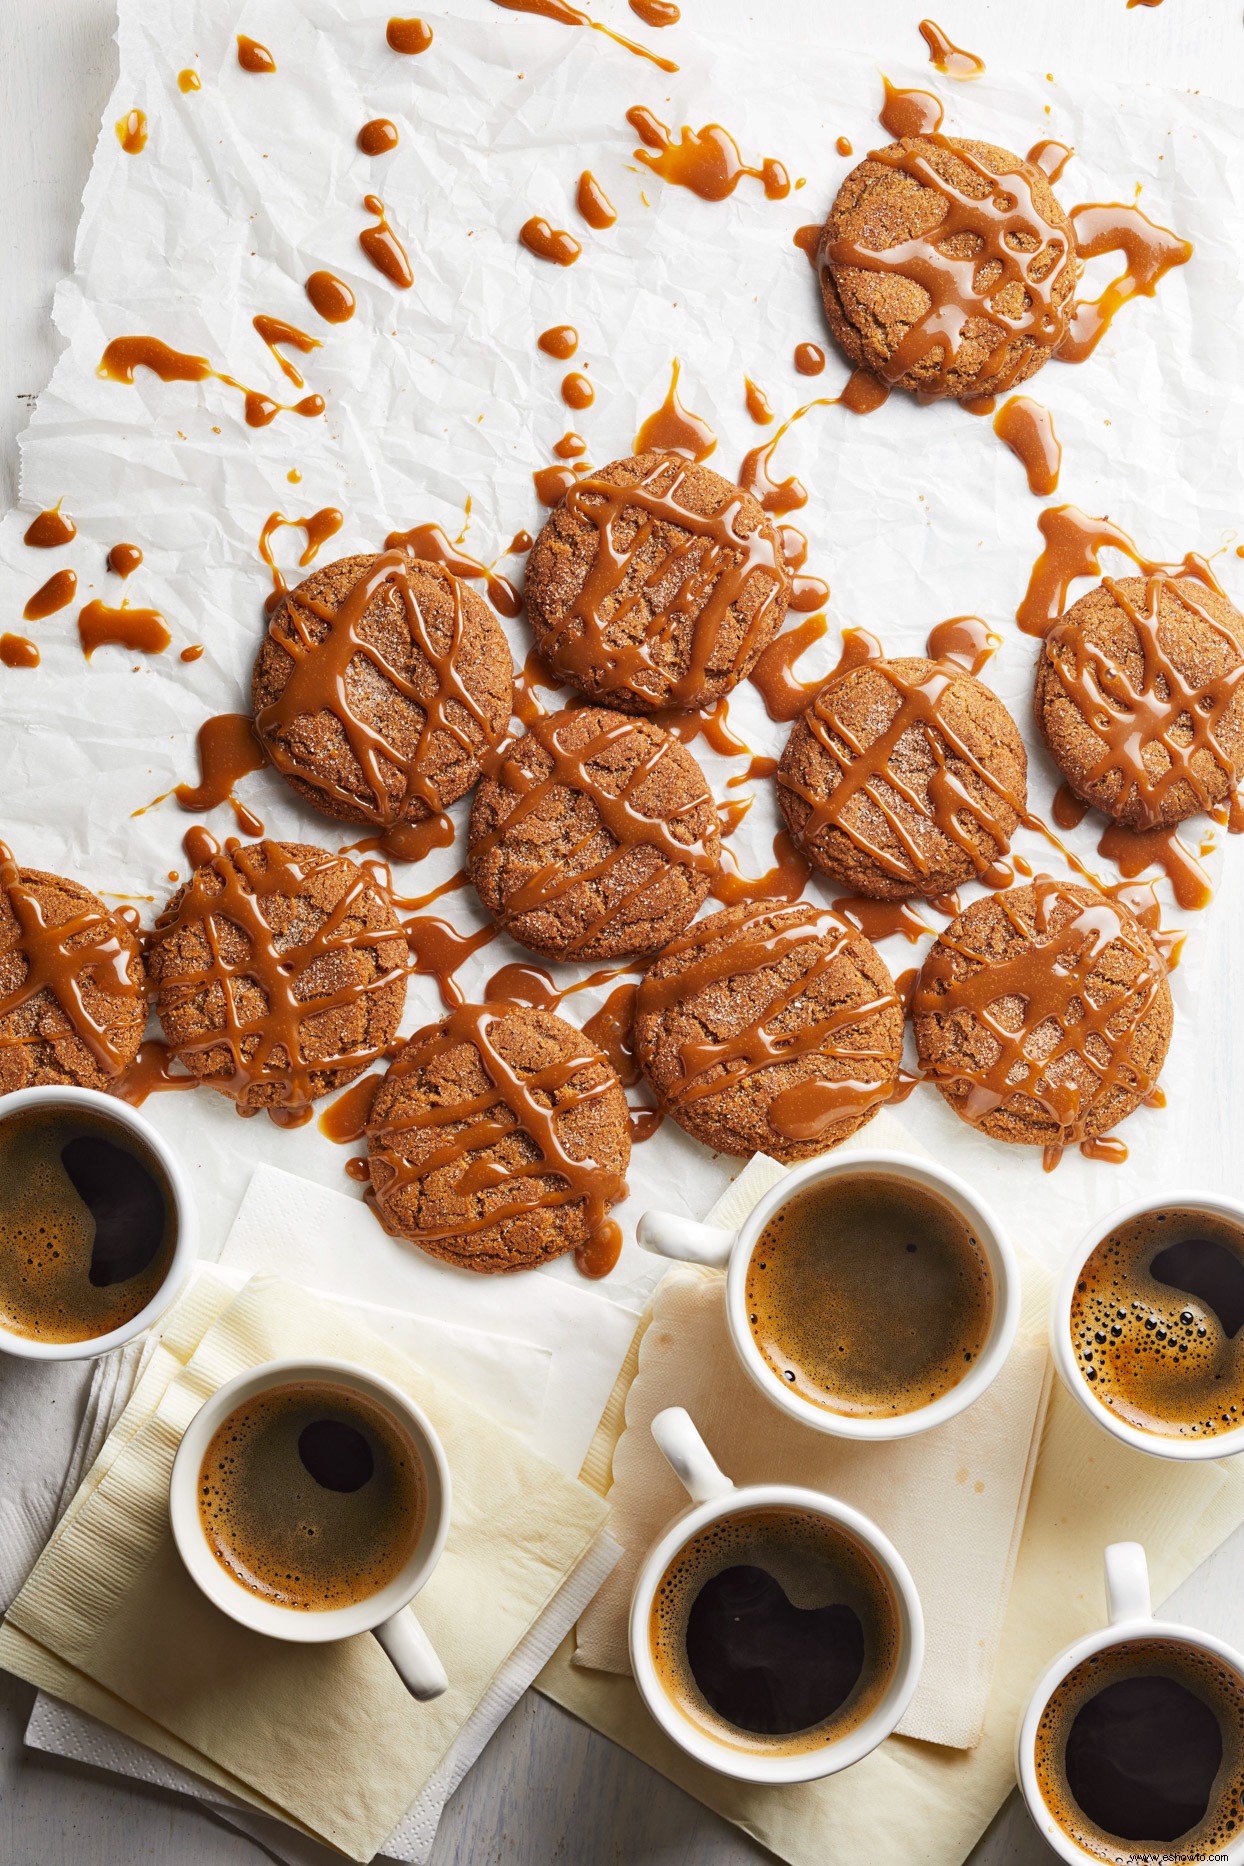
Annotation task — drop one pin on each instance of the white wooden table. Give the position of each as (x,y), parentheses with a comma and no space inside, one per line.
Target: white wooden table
(547,1789)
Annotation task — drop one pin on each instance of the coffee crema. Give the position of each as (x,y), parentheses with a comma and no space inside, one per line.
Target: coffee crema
(311,1496)
(774,1631)
(869,1296)
(1140,1753)
(1157,1323)
(87,1225)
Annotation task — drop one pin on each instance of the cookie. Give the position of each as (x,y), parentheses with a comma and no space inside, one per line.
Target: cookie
(73,1000)
(498,1139)
(1140,698)
(940,280)
(280,975)
(595,838)
(382,684)
(903,777)
(770,1029)
(1043,1015)
(656,583)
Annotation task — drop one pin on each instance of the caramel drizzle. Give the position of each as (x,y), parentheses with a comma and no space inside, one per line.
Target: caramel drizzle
(56,957)
(865,771)
(1072,544)
(430,543)
(534,1105)
(627,825)
(713,1066)
(1149,253)
(1006,211)
(706,161)
(1052,978)
(711,569)
(267,1049)
(316,528)
(319,682)
(126,354)
(566,15)
(273,331)
(947,57)
(1131,717)
(673,428)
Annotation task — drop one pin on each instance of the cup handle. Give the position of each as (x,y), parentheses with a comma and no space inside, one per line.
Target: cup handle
(688,1456)
(670,1235)
(1127,1583)
(410,1652)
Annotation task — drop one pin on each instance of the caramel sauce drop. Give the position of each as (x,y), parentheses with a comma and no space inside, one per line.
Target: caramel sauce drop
(1051,157)
(142,630)
(909,113)
(1072,548)
(345,1120)
(1028,430)
(577,391)
(571,446)
(430,543)
(566,15)
(962,641)
(1149,252)
(383,247)
(189,80)
(549,243)
(126,354)
(376,138)
(519,544)
(192,653)
(227,750)
(47,531)
(843,146)
(560,341)
(316,529)
(809,359)
(1068,810)
(254,57)
(331,298)
(808,240)
(672,428)
(124,559)
(274,331)
(132,132)
(706,161)
(863,392)
(408,36)
(16,651)
(947,57)
(655,12)
(57,593)
(593,203)
(552,483)
(757,403)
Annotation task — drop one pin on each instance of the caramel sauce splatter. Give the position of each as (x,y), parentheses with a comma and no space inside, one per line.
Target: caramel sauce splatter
(316,528)
(1073,543)
(706,161)
(785,881)
(884,920)
(430,543)
(577,391)
(1134,850)
(778,496)
(330,297)
(560,341)
(656,12)
(227,751)
(409,36)
(16,651)
(124,559)
(785,697)
(57,593)
(549,243)
(254,57)
(593,203)
(1028,430)
(376,138)
(757,403)
(843,146)
(189,80)
(150,1073)
(438,951)
(126,354)
(672,428)
(863,392)
(567,15)
(571,446)
(132,132)
(1051,157)
(909,113)
(274,331)
(383,247)
(1149,252)
(142,630)
(192,653)
(809,359)
(552,483)
(47,531)
(1068,810)
(962,641)
(947,57)
(519,544)
(345,1120)
(808,240)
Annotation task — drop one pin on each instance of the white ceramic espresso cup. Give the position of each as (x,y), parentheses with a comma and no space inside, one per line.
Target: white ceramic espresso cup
(714,1496)
(675,1236)
(1130,1616)
(185,1219)
(383,1613)
(1158,1444)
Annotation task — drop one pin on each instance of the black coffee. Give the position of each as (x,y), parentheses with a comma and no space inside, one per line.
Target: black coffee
(312,1496)
(1157,1323)
(87,1226)
(775,1631)
(869,1295)
(1140,1750)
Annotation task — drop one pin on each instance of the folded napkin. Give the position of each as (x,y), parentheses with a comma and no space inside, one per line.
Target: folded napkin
(323,1736)
(1087,1490)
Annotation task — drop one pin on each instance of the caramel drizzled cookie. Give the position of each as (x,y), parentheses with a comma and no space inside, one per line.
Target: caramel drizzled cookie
(72,983)
(498,1139)
(1043,1015)
(1140,698)
(280,974)
(770,1029)
(656,583)
(382,684)
(595,837)
(947,267)
(902,778)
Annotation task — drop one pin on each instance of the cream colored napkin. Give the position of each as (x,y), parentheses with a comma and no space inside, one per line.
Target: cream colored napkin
(916,1801)
(323,1736)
